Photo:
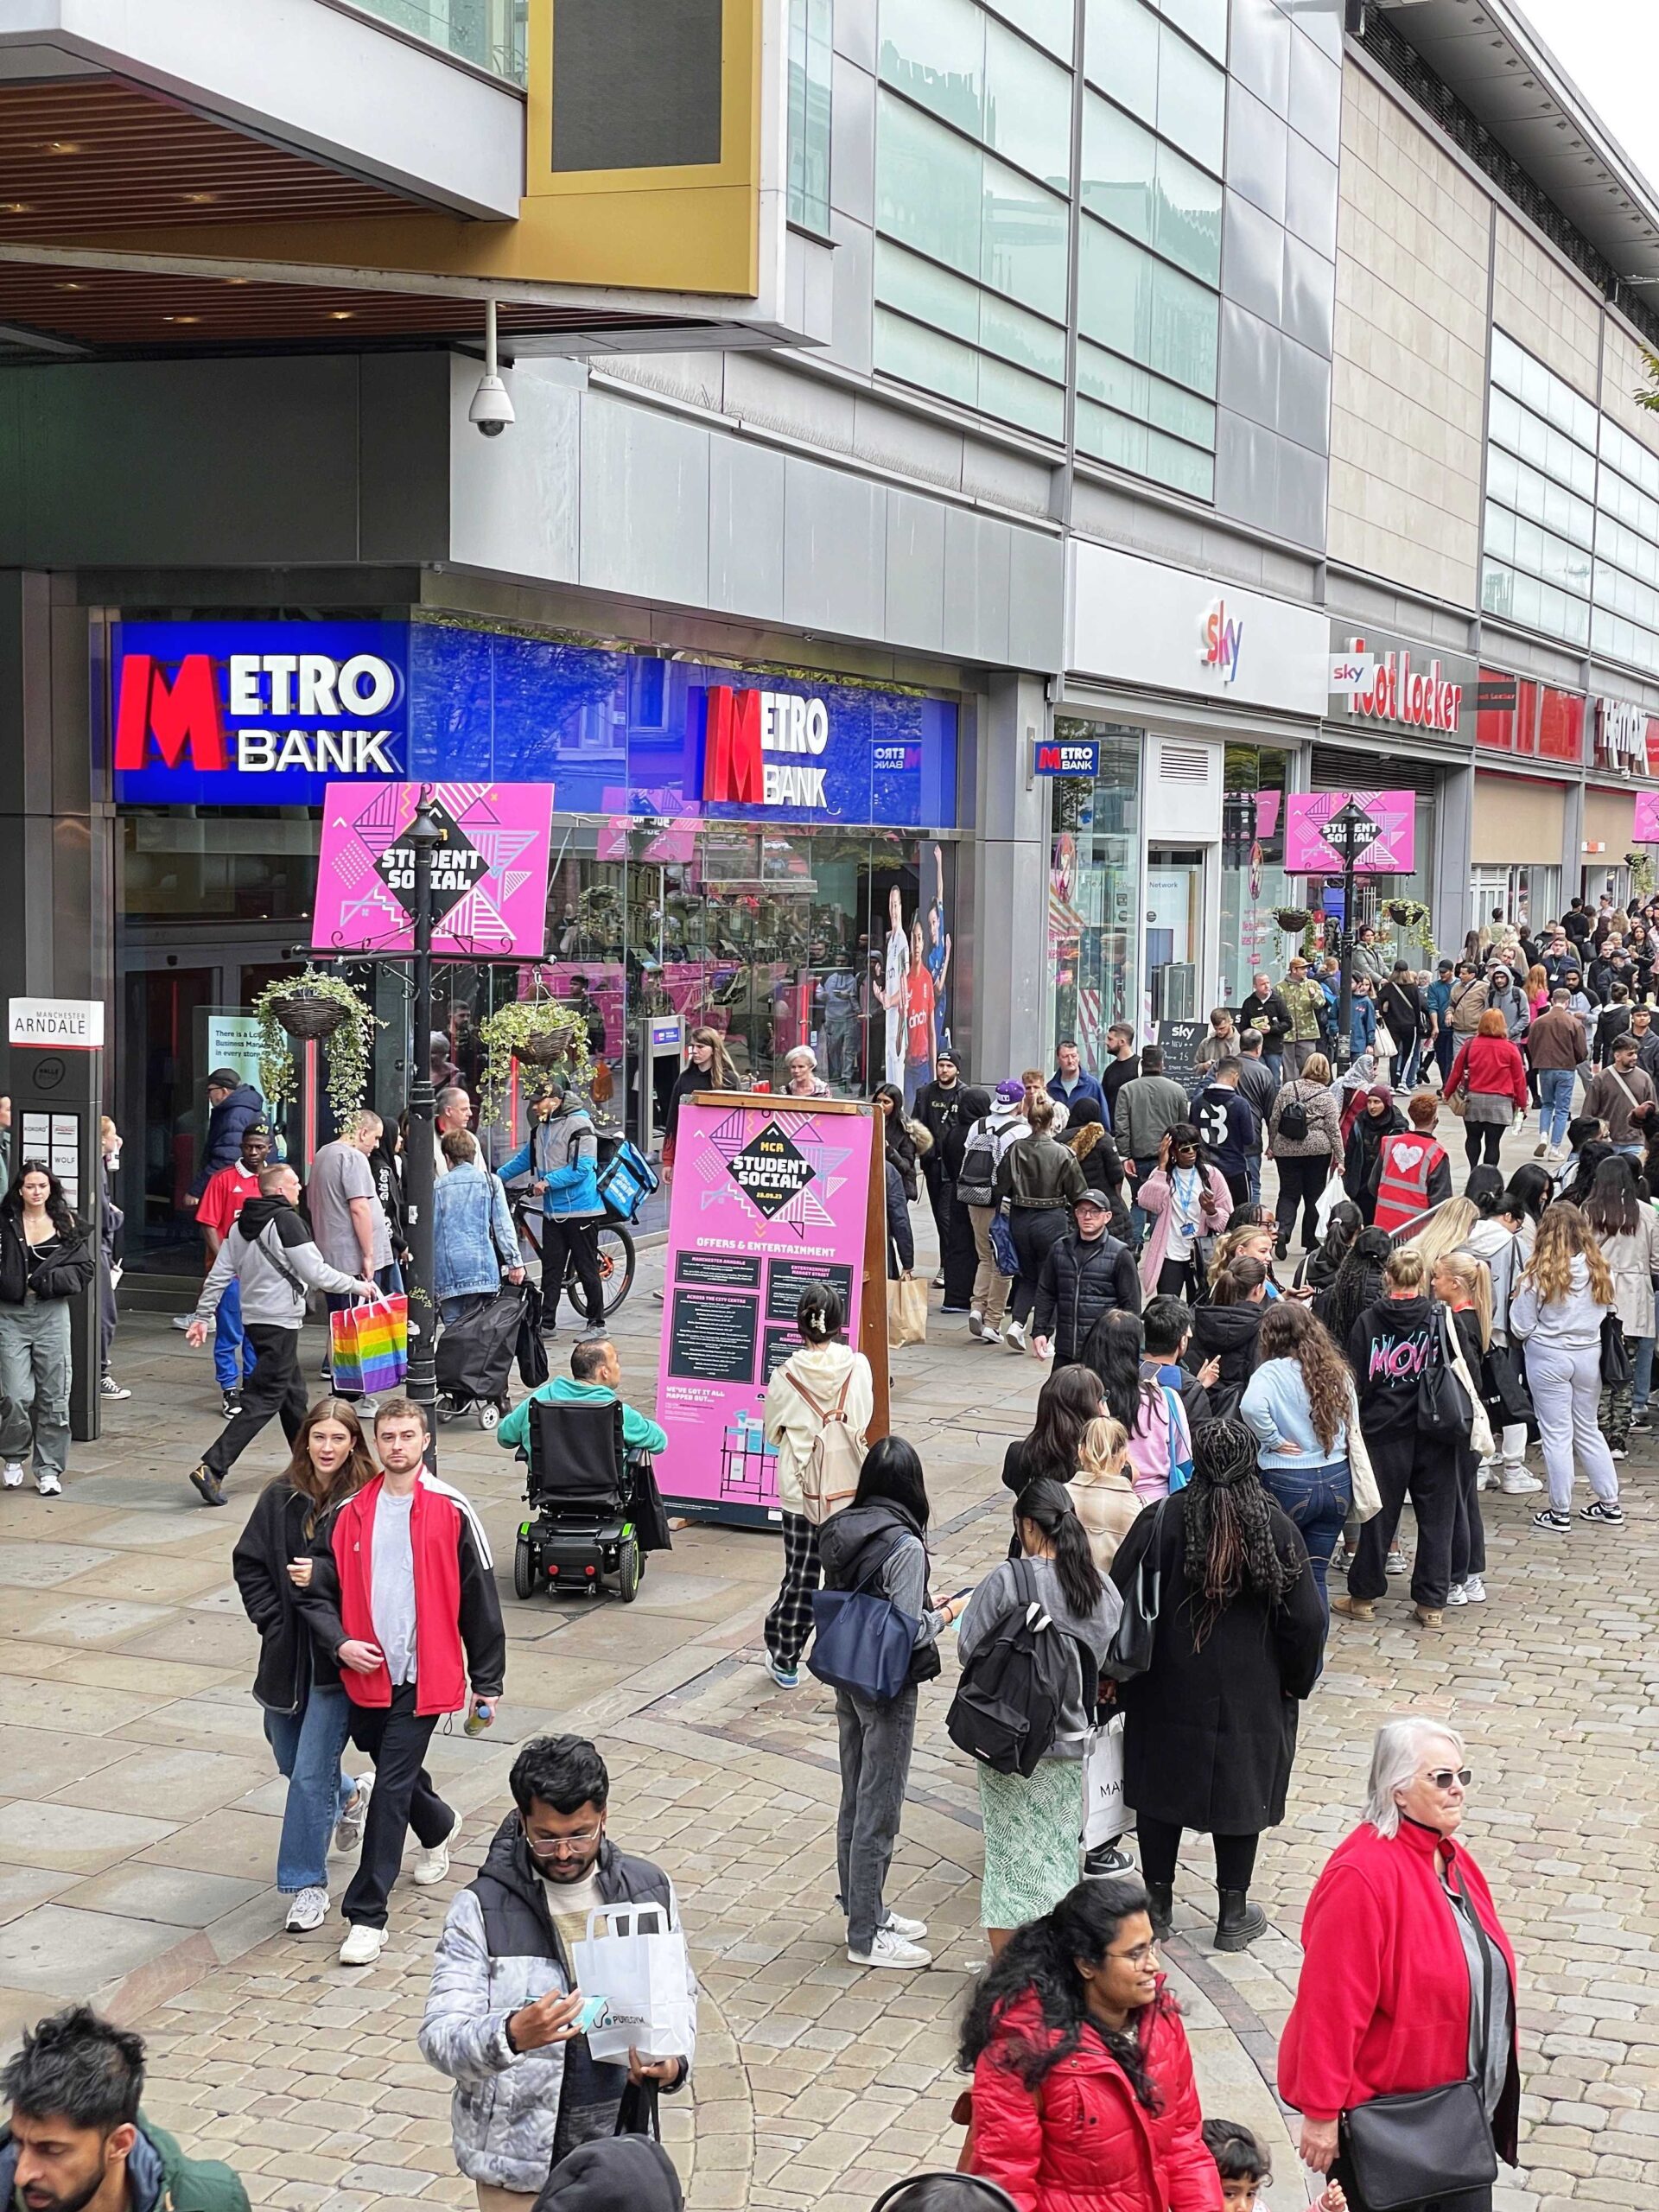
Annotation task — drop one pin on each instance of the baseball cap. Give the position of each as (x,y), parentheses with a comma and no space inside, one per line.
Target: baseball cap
(1092,1198)
(224,1079)
(1010,1092)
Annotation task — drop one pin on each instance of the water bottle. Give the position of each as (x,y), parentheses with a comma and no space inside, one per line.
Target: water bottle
(481,1717)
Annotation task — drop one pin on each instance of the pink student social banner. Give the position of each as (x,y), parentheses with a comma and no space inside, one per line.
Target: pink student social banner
(489,877)
(1394,852)
(1646,830)
(764,1204)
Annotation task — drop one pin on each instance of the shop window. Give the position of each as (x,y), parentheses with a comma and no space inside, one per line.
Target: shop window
(1253,878)
(812,64)
(1093,893)
(1560,725)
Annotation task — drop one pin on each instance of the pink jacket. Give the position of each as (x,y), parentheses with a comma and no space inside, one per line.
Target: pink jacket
(1153,1197)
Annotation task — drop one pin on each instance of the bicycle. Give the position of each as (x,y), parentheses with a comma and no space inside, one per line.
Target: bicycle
(616,1255)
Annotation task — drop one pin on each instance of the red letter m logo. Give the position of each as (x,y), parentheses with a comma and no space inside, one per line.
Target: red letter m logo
(183,714)
(731,746)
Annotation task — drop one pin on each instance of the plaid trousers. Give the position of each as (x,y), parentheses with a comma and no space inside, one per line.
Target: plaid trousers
(790,1622)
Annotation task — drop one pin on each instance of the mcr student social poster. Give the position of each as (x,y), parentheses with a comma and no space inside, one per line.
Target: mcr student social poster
(764,1202)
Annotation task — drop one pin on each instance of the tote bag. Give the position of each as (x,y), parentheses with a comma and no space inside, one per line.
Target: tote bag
(641,1974)
(907,1311)
(1105,1816)
(368,1345)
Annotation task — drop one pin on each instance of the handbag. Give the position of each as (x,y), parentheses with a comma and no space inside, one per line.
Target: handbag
(1617,1368)
(860,1644)
(1457,1100)
(368,1345)
(1002,1251)
(1481,1440)
(1105,1816)
(1504,1382)
(1443,1406)
(907,1311)
(1129,1653)
(1427,2142)
(1366,1498)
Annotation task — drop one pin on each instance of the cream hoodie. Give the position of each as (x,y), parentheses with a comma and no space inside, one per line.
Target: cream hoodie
(790,1423)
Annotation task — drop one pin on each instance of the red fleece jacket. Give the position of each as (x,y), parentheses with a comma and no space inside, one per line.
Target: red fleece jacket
(1382,2005)
(434,1532)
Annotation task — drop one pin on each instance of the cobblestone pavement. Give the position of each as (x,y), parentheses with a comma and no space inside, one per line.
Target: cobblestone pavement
(138,1818)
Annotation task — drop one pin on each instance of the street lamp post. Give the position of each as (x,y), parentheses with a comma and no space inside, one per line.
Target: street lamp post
(424,835)
(1350,832)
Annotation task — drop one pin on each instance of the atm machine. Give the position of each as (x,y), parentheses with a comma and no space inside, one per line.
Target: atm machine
(658,1037)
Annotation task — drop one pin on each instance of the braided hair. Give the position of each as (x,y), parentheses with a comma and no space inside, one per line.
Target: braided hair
(1230,1545)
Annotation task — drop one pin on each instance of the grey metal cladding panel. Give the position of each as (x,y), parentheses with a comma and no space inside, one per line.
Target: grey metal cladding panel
(644,503)
(1315,96)
(13,531)
(1036,601)
(746,529)
(1310,196)
(153,464)
(835,550)
(853,273)
(404,453)
(1304,396)
(636,85)
(1247,381)
(1260,54)
(976,569)
(915,595)
(1257,145)
(852,144)
(1303,495)
(1253,258)
(1310,296)
(515,501)
(1247,470)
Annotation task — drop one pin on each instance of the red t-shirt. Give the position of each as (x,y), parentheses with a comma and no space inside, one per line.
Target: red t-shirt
(228,1190)
(918,1015)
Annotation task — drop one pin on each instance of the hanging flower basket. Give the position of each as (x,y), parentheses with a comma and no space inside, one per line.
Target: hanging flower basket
(310,1008)
(1412,916)
(1295,919)
(541,1032)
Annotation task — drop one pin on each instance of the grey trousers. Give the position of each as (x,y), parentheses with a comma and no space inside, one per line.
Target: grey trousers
(34,1377)
(875,1745)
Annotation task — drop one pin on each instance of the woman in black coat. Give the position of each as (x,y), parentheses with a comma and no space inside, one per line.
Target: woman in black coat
(1211,1724)
(306,1719)
(959,1259)
(1226,1328)
(1379,1118)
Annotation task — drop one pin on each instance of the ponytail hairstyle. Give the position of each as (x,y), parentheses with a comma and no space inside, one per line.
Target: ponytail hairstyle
(1237,1281)
(1047,1507)
(819,1318)
(1475,1282)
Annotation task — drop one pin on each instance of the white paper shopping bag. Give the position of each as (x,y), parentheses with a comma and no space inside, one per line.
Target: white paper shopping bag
(1104,1815)
(636,1961)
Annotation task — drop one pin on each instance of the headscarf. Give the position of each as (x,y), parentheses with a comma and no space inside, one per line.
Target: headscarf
(1230,1544)
(1356,1106)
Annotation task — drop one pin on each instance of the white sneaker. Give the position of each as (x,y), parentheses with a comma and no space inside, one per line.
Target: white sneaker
(1474,1591)
(890,1949)
(348,1829)
(308,1911)
(1517,1483)
(1457,1595)
(12,1475)
(1014,1335)
(363,1945)
(49,1486)
(1484,1479)
(976,1322)
(432,1865)
(913,1931)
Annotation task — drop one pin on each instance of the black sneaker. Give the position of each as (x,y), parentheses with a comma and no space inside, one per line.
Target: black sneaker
(233,1404)
(207,1486)
(1551,1523)
(1607,1510)
(1640,1426)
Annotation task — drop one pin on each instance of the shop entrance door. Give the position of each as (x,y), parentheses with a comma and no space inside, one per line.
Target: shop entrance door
(183,1014)
(1174,930)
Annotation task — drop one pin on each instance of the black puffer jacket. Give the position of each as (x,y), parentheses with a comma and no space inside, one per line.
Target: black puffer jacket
(276,1534)
(1227,1333)
(1080,1282)
(65,1273)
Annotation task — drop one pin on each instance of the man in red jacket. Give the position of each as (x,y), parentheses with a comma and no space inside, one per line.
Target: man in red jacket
(402,1600)
(1412,1172)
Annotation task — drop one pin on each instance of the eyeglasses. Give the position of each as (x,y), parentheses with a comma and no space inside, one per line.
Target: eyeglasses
(562,1846)
(1140,1956)
(1444,1776)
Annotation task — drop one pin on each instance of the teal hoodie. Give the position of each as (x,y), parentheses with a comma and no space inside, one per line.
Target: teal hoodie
(639,1434)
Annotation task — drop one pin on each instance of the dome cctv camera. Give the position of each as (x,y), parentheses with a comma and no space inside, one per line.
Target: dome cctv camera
(491,409)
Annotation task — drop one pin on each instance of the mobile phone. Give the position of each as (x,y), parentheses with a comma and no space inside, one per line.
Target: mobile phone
(966,1590)
(592,2011)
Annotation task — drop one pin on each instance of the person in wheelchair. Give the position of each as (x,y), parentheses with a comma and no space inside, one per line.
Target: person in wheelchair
(595,1379)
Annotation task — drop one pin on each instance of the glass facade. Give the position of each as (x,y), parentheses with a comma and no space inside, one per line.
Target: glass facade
(1253,878)
(811,63)
(976,199)
(1094,891)
(488,33)
(1572,531)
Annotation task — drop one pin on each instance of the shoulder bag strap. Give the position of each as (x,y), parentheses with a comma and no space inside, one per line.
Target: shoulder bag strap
(789,1369)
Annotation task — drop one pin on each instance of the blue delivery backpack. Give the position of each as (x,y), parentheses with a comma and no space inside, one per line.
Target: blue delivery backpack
(626,1178)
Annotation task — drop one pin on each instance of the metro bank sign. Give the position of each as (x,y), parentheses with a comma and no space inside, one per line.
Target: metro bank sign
(237,714)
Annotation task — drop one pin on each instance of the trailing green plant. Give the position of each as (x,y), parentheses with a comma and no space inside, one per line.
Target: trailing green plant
(1640,867)
(545,1031)
(1412,916)
(1295,919)
(349,1042)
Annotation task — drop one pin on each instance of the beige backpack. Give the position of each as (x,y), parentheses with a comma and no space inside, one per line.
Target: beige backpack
(828,1473)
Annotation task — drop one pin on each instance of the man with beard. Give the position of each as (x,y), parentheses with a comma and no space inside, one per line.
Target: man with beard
(76,2140)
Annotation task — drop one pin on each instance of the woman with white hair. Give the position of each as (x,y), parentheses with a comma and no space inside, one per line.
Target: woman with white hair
(801,1077)
(1400,2050)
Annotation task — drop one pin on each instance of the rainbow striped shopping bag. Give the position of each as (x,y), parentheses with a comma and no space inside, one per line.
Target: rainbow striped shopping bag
(369,1346)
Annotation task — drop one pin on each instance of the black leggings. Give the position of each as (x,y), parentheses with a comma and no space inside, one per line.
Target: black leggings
(1481,1135)
(1301,1183)
(1160,1847)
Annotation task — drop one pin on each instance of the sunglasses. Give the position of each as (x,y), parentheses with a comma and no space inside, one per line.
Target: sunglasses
(1444,1776)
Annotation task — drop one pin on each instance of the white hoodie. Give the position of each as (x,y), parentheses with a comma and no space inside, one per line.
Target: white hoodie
(790,1423)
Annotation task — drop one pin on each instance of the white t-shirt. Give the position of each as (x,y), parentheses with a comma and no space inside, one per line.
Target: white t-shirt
(1187,1188)
(392,1586)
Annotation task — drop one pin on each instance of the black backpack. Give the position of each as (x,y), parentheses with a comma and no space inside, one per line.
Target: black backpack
(1007,1709)
(1293,1118)
(977,1176)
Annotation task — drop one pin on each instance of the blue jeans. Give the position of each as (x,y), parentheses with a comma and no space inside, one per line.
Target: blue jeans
(307,1746)
(233,1352)
(1555,1103)
(1642,1386)
(1253,1176)
(1316,1499)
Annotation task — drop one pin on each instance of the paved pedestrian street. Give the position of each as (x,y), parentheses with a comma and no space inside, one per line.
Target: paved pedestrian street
(139,1818)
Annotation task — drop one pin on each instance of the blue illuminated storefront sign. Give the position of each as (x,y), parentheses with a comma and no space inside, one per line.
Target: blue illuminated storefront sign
(250,714)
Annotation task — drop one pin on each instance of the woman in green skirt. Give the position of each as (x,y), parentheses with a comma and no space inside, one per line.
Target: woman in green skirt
(1032,1827)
